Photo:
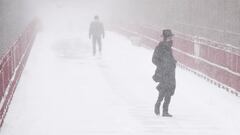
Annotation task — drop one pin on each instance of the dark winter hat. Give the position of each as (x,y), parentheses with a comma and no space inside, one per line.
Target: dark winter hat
(167,33)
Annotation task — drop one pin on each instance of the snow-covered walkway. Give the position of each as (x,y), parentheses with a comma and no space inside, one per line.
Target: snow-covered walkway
(64,90)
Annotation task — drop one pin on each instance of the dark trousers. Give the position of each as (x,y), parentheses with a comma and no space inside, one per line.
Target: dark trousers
(167,99)
(95,41)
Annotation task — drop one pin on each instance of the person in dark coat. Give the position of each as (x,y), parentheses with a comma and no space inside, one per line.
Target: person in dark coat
(96,32)
(165,72)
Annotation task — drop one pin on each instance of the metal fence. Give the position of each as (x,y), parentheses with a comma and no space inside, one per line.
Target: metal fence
(11,66)
(217,20)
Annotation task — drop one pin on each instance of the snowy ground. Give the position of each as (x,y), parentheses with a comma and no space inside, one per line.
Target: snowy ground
(64,90)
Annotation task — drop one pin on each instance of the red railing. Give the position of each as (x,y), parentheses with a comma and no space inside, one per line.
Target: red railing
(217,62)
(12,64)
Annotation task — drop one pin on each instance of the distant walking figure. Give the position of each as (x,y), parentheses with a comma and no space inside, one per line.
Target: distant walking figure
(165,72)
(96,32)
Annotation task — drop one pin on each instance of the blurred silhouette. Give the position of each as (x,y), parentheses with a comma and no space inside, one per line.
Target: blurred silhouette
(165,72)
(96,32)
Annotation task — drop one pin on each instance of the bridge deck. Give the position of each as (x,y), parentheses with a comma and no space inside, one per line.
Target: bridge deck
(65,90)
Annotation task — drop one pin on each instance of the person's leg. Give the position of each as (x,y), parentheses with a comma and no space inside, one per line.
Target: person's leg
(99,44)
(94,41)
(158,103)
(167,100)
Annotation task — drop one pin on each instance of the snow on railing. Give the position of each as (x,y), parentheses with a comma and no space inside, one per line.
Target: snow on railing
(216,62)
(12,64)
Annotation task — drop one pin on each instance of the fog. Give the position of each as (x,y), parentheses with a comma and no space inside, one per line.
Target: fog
(118,81)
(215,19)
(218,20)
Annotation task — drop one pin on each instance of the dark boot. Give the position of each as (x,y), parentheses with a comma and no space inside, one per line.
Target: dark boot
(157,109)
(166,114)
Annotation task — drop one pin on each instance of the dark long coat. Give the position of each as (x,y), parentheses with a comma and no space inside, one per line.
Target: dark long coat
(96,29)
(166,64)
